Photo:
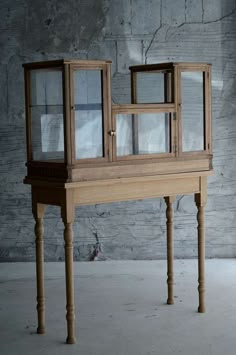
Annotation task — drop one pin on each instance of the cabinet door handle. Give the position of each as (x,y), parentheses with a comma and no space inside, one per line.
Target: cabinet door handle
(112,133)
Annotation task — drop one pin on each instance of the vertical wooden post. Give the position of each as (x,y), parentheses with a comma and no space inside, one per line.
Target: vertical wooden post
(68,218)
(170,248)
(38,212)
(200,200)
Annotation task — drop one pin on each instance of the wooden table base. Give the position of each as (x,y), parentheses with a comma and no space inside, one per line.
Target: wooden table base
(67,199)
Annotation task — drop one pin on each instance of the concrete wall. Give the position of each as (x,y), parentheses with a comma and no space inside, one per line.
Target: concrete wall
(127,32)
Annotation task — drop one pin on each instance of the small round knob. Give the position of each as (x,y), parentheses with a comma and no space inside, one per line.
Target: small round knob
(112,133)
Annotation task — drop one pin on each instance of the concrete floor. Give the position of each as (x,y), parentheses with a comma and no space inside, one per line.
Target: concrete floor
(120,309)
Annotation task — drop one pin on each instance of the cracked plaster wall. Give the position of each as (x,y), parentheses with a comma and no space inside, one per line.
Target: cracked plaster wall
(127,32)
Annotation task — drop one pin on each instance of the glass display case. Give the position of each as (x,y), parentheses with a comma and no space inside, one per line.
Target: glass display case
(82,149)
(72,124)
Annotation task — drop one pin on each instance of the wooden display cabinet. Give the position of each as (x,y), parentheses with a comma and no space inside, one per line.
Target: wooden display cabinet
(82,149)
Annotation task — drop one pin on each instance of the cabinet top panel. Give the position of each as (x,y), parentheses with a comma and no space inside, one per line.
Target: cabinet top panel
(167,66)
(61,62)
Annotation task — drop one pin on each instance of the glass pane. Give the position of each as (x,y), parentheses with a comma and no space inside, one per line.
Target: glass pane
(47,114)
(48,137)
(192,111)
(88,114)
(146,133)
(153,87)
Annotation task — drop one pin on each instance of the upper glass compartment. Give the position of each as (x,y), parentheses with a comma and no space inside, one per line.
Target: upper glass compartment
(152,87)
(46,112)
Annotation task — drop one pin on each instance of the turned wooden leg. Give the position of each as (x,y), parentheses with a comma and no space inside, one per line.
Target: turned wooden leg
(201,252)
(68,219)
(170,248)
(70,308)
(38,211)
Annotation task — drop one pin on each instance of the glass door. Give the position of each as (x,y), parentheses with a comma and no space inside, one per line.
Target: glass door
(192,109)
(88,110)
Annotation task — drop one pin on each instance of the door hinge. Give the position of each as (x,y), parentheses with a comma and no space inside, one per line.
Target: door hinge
(174,116)
(175,148)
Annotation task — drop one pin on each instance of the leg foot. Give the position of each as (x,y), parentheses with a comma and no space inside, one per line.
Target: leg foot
(71,340)
(41,330)
(201,309)
(170,301)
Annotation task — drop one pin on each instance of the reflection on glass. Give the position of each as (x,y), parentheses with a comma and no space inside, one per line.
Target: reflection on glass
(153,87)
(88,114)
(47,114)
(146,133)
(47,127)
(192,111)
(124,134)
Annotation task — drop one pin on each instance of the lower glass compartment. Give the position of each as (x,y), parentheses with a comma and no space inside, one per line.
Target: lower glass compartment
(143,133)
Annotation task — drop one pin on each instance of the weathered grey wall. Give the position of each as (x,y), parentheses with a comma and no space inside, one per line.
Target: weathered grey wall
(127,32)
